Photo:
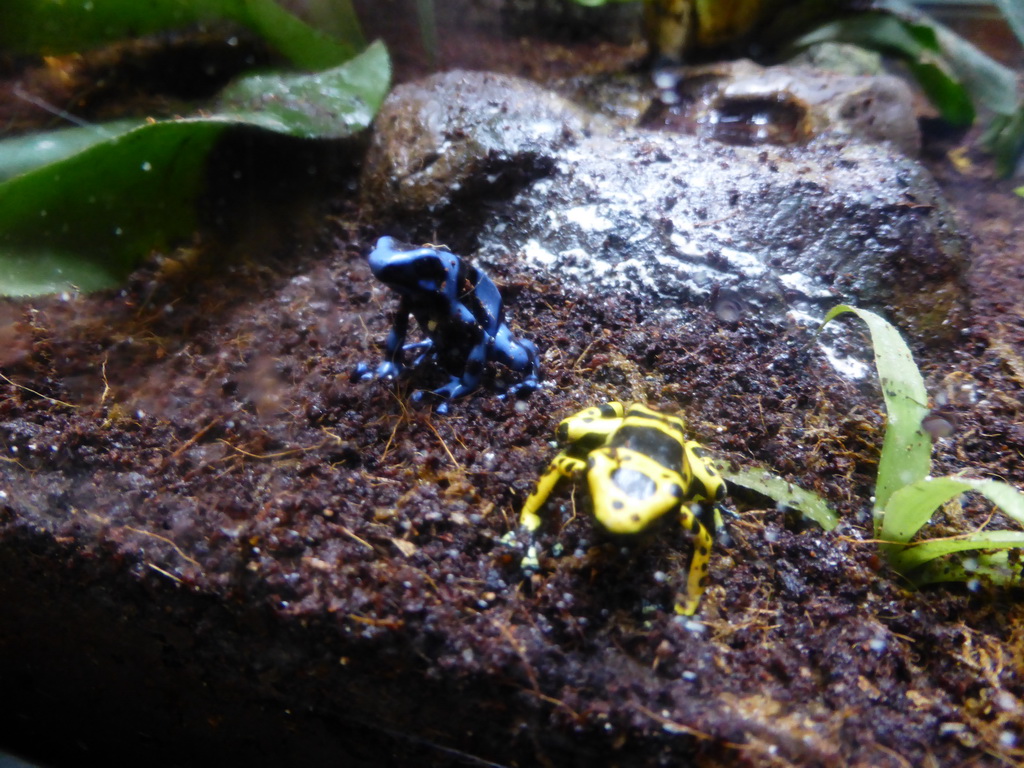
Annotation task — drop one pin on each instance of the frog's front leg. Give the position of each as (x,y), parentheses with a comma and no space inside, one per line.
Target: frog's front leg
(392,364)
(697,578)
(563,465)
(422,348)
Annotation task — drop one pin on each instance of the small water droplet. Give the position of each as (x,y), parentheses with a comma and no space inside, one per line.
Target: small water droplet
(939,424)
(729,309)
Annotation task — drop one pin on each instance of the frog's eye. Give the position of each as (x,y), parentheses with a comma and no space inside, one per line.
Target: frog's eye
(636,485)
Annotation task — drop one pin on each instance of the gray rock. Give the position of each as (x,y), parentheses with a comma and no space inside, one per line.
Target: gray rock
(673,219)
(811,104)
(462,136)
(743,102)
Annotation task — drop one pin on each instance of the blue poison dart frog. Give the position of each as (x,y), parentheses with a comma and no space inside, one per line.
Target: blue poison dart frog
(459,310)
(640,467)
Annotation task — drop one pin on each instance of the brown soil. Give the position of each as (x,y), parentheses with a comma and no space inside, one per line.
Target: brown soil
(216,548)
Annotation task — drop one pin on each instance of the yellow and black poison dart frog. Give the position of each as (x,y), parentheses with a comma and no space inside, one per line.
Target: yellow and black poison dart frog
(639,466)
(459,310)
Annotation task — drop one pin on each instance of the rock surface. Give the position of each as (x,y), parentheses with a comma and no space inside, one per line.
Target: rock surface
(740,102)
(459,135)
(671,218)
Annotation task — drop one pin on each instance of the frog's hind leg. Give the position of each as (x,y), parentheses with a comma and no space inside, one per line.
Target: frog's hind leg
(520,356)
(696,580)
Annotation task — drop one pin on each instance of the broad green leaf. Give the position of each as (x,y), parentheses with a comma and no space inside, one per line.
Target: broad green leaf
(877,31)
(88,219)
(909,508)
(23,153)
(332,104)
(809,504)
(906,449)
(85,221)
(66,26)
(988,82)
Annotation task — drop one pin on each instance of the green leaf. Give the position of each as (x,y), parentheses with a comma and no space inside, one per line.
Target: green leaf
(759,480)
(909,508)
(917,44)
(906,449)
(332,104)
(987,81)
(919,554)
(598,3)
(996,567)
(948,95)
(1004,138)
(62,26)
(302,45)
(88,219)
(1013,10)
(23,153)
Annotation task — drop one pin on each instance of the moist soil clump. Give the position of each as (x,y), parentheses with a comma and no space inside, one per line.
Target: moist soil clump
(215,546)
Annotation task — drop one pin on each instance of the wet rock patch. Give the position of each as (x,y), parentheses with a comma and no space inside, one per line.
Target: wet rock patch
(674,219)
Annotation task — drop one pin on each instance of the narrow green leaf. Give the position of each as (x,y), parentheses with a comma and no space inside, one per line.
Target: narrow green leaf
(986,80)
(427,14)
(919,45)
(809,504)
(996,567)
(1004,138)
(909,508)
(919,554)
(906,449)
(88,219)
(1013,10)
(66,26)
(598,3)
(949,96)
(302,45)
